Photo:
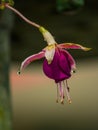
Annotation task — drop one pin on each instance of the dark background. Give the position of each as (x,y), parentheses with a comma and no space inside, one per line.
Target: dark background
(77,27)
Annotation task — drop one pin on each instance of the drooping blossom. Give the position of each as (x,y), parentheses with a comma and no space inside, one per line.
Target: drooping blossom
(58,63)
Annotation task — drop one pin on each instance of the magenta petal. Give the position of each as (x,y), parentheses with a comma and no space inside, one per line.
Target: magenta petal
(60,67)
(71,60)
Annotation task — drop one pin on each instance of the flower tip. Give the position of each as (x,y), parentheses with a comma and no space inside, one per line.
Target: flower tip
(69,101)
(87,49)
(18,72)
(57,101)
(62,101)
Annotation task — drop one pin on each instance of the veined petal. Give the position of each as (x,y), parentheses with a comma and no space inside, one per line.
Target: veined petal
(31,58)
(73,46)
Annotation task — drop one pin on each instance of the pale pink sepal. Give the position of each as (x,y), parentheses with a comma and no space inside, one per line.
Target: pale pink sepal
(30,59)
(73,46)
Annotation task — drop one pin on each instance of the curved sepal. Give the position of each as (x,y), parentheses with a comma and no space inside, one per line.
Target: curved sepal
(73,46)
(30,59)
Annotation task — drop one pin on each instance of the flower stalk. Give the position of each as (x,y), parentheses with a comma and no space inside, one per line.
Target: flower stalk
(22,16)
(46,34)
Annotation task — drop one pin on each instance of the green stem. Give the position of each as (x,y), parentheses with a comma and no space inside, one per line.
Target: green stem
(6,24)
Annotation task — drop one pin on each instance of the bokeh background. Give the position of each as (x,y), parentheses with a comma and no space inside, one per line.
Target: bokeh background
(34,99)
(33,94)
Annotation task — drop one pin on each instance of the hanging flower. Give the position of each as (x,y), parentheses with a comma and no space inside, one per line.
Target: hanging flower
(58,63)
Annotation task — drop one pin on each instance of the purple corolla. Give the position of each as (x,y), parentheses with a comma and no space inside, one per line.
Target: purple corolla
(58,63)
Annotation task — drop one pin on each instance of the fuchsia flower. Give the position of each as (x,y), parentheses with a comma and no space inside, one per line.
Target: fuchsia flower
(58,63)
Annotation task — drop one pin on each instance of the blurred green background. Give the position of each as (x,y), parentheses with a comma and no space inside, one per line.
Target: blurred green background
(33,94)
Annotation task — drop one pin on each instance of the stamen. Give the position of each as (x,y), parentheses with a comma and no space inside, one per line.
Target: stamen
(67,91)
(57,100)
(60,89)
(61,92)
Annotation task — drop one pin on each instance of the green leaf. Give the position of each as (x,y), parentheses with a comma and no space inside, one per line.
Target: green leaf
(68,5)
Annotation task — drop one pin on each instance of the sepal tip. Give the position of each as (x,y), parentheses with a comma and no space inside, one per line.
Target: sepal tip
(19,72)
(87,49)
